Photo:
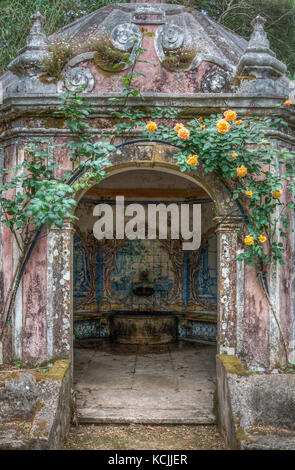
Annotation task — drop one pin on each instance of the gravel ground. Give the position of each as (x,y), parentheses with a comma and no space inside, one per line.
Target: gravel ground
(144,437)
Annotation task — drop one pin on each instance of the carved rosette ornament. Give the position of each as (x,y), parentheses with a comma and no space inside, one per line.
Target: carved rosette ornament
(78,78)
(215,81)
(172,37)
(125,36)
(170,45)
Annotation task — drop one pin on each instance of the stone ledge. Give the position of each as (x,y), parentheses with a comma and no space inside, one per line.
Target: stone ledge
(232,365)
(207,103)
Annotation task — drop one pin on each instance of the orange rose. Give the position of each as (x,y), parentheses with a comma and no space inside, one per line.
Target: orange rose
(178,126)
(151,126)
(277,193)
(192,160)
(230,115)
(203,127)
(262,238)
(239,122)
(241,171)
(249,193)
(183,133)
(200,118)
(248,240)
(288,103)
(222,126)
(234,155)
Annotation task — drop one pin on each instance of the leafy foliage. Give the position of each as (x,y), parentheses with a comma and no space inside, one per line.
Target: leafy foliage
(107,56)
(61,52)
(32,195)
(39,197)
(180,59)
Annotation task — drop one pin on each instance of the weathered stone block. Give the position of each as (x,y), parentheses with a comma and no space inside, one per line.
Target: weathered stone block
(35,408)
(255,411)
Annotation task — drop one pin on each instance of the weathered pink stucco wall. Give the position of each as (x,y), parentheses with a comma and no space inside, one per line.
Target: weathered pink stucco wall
(34,303)
(7,248)
(286,294)
(62,157)
(156,78)
(256,321)
(7,237)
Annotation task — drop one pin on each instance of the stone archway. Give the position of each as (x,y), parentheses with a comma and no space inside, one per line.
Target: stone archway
(230,272)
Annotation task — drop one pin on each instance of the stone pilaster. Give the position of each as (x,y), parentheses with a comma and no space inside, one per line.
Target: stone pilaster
(60,291)
(228,296)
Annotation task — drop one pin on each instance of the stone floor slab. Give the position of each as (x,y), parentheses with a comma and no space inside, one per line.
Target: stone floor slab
(170,384)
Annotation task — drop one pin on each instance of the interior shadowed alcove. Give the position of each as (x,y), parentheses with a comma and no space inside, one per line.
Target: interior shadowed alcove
(171,292)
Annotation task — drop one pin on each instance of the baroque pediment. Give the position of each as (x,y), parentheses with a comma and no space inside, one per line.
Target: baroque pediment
(185,52)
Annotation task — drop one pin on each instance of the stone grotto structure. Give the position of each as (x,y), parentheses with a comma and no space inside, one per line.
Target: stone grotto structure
(74,286)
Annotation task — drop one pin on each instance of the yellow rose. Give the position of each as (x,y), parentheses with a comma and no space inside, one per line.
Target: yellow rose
(151,126)
(248,240)
(183,133)
(288,103)
(277,193)
(249,193)
(192,160)
(222,126)
(178,126)
(262,238)
(230,115)
(241,171)
(239,122)
(234,155)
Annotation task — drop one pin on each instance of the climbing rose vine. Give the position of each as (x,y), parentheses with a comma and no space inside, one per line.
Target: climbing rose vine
(240,153)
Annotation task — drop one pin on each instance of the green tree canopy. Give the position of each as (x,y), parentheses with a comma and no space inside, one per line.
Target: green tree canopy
(238,14)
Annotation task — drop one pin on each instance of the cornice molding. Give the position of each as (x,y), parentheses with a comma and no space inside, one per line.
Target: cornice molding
(35,133)
(32,103)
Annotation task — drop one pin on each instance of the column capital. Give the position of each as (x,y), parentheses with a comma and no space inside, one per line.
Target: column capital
(68,226)
(228,224)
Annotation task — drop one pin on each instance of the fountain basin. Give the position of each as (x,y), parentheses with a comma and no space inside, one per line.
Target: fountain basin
(143,328)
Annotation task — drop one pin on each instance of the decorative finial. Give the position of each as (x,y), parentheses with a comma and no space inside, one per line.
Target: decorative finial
(38,18)
(38,15)
(37,36)
(259,69)
(259,36)
(259,20)
(30,58)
